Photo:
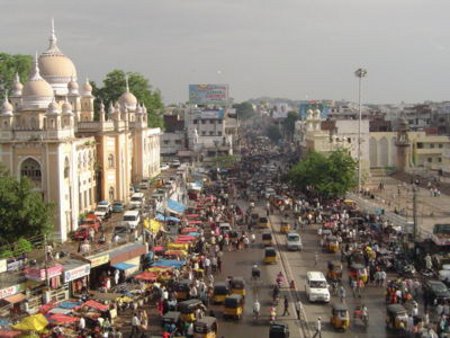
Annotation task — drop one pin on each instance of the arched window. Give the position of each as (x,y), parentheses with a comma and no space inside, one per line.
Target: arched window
(111,161)
(66,168)
(111,194)
(32,169)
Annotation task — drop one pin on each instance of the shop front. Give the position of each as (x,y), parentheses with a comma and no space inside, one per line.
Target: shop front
(12,299)
(76,275)
(127,259)
(99,270)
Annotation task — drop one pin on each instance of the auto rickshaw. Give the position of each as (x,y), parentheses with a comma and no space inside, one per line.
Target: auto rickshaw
(396,317)
(220,292)
(332,244)
(334,273)
(270,255)
(358,271)
(233,307)
(205,327)
(340,317)
(279,330)
(238,286)
(285,227)
(170,319)
(267,238)
(188,308)
(182,289)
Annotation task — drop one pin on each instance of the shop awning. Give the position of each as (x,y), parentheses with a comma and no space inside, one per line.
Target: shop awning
(9,333)
(62,319)
(175,207)
(161,217)
(96,305)
(127,252)
(170,263)
(146,276)
(123,266)
(58,310)
(20,297)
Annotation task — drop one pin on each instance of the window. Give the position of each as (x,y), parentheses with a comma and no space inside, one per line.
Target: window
(431,145)
(211,121)
(349,140)
(211,133)
(203,133)
(441,145)
(166,141)
(430,159)
(219,133)
(111,194)
(66,168)
(203,121)
(195,121)
(177,141)
(419,145)
(111,161)
(440,159)
(31,169)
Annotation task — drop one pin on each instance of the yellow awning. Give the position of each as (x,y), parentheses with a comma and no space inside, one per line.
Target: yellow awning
(35,322)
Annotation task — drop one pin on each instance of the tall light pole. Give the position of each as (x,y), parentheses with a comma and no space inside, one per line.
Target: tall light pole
(360,73)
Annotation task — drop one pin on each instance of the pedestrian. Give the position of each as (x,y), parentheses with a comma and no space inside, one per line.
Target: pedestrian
(316,258)
(219,264)
(135,324)
(318,332)
(286,306)
(298,306)
(342,293)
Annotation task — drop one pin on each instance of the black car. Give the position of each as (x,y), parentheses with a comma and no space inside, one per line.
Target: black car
(435,290)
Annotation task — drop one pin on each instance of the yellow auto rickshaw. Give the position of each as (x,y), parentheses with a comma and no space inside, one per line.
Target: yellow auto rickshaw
(233,307)
(267,238)
(188,308)
(220,292)
(182,289)
(332,244)
(270,255)
(396,317)
(285,227)
(340,317)
(238,286)
(334,273)
(263,223)
(205,327)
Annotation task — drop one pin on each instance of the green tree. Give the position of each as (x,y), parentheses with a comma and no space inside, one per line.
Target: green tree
(273,132)
(325,177)
(289,123)
(114,85)
(244,110)
(23,213)
(9,66)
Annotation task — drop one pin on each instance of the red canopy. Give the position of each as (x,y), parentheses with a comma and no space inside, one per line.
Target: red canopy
(158,248)
(192,215)
(96,305)
(46,308)
(195,222)
(189,229)
(146,276)
(185,238)
(9,333)
(59,318)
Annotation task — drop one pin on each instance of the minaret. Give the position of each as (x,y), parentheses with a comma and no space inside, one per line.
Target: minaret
(403,145)
(87,102)
(6,119)
(16,90)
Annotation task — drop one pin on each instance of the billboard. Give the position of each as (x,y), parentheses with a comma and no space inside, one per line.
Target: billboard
(323,107)
(208,94)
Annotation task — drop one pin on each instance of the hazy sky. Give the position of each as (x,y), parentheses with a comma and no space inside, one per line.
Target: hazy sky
(286,48)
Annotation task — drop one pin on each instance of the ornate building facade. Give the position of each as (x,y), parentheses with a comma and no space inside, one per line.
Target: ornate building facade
(48,133)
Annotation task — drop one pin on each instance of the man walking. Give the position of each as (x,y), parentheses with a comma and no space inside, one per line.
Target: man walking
(298,306)
(318,332)
(286,306)
(135,324)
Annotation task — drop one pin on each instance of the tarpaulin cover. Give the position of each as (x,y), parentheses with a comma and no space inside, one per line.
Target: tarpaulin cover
(44,308)
(169,263)
(62,319)
(123,266)
(158,248)
(193,234)
(59,311)
(9,333)
(185,238)
(152,225)
(96,305)
(147,276)
(69,305)
(160,217)
(192,215)
(194,222)
(36,322)
(175,207)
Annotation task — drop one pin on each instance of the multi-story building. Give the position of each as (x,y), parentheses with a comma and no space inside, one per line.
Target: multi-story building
(48,133)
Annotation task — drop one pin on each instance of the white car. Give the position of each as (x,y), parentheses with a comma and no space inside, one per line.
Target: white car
(102,211)
(316,287)
(164,166)
(294,241)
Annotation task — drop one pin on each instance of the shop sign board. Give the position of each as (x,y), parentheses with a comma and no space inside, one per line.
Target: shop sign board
(3,265)
(12,290)
(99,260)
(78,272)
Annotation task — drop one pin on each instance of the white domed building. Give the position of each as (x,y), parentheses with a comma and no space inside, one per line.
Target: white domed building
(48,133)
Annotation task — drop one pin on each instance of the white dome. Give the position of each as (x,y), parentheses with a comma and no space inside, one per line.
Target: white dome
(56,68)
(53,108)
(17,86)
(7,107)
(87,88)
(66,107)
(128,100)
(37,93)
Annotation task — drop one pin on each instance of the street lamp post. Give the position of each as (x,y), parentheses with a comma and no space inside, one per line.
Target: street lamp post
(360,73)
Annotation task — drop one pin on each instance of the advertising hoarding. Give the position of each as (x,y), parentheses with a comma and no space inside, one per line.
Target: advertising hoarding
(208,94)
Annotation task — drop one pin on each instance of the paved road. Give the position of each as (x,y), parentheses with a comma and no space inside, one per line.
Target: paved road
(296,264)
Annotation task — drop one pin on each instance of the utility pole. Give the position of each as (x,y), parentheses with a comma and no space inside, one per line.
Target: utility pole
(46,261)
(414,215)
(359,73)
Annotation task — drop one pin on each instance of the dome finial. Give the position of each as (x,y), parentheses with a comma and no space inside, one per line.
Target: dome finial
(52,45)
(126,82)
(35,74)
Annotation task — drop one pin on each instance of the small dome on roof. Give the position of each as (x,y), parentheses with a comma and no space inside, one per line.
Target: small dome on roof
(53,108)
(7,107)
